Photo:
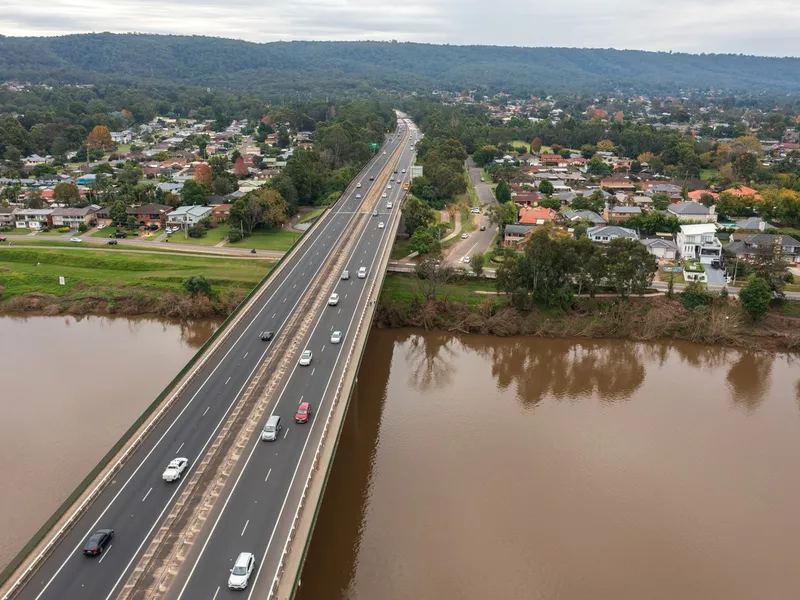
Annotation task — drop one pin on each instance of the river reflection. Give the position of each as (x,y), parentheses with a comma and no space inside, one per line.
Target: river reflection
(477,467)
(66,380)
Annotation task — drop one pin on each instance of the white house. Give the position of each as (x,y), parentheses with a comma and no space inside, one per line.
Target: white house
(603,234)
(692,211)
(699,242)
(121,137)
(186,216)
(32,218)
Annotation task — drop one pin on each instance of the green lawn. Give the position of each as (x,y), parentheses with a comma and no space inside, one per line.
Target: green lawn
(107,232)
(401,287)
(523,143)
(55,232)
(274,239)
(211,238)
(401,249)
(15,231)
(312,214)
(98,272)
(706,174)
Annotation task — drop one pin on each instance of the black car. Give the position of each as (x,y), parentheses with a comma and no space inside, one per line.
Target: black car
(112,242)
(267,335)
(372,179)
(98,542)
(120,234)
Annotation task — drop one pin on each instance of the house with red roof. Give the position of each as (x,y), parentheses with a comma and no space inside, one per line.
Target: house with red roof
(743,190)
(536,215)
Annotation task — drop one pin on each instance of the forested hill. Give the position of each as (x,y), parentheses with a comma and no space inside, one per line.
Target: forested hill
(316,67)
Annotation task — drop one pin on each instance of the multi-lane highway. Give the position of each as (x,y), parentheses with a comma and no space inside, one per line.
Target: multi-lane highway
(137,500)
(259,505)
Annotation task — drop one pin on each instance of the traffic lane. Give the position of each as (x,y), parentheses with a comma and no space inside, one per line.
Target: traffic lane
(68,546)
(478,242)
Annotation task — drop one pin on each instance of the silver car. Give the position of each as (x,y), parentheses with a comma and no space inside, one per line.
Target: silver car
(305,358)
(336,337)
(271,429)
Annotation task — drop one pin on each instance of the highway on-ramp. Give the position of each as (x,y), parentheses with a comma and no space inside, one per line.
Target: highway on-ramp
(261,500)
(137,499)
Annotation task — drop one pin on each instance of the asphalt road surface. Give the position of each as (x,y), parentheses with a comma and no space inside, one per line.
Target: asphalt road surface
(134,504)
(262,498)
(478,241)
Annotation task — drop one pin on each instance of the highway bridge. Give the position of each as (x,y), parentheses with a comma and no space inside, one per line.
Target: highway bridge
(179,540)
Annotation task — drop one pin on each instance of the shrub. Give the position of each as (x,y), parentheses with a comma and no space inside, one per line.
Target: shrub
(755,297)
(63,229)
(695,294)
(196,231)
(235,235)
(196,285)
(83,227)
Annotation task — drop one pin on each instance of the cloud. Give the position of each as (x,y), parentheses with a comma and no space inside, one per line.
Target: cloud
(731,26)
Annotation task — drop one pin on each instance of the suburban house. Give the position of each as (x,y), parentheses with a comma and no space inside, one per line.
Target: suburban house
(699,241)
(33,218)
(551,159)
(746,246)
(6,216)
(603,234)
(103,217)
(86,179)
(661,248)
(150,214)
(753,224)
(73,217)
(670,189)
(514,235)
(536,215)
(170,187)
(621,213)
(618,185)
(188,215)
(743,190)
(692,211)
(525,198)
(578,215)
(221,212)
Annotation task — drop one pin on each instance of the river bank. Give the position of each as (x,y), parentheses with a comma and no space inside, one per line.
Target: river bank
(122,283)
(466,308)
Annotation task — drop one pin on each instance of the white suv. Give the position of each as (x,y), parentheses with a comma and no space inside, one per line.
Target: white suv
(333,300)
(240,573)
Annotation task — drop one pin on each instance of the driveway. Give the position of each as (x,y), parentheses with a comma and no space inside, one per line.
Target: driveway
(714,276)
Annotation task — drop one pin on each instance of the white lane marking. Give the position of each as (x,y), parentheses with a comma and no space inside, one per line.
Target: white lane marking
(227,380)
(340,311)
(284,299)
(345,296)
(147,494)
(215,594)
(245,527)
(268,474)
(206,410)
(275,315)
(179,448)
(285,434)
(323,349)
(105,553)
(245,355)
(314,369)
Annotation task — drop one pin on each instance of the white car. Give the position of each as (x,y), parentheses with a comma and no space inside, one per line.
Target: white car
(403,171)
(75,240)
(389,205)
(476,211)
(305,358)
(358,184)
(362,272)
(358,195)
(388,187)
(380,225)
(466,259)
(240,573)
(333,300)
(384,151)
(464,236)
(336,337)
(175,469)
(99,227)
(385,195)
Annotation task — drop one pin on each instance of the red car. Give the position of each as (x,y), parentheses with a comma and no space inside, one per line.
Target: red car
(303,413)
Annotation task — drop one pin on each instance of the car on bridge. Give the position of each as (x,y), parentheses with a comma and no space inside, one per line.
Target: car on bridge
(98,541)
(333,300)
(305,358)
(241,571)
(303,413)
(362,272)
(271,429)
(266,336)
(380,225)
(336,337)
(345,275)
(175,469)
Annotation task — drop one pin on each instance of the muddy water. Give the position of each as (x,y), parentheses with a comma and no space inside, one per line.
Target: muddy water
(69,388)
(475,468)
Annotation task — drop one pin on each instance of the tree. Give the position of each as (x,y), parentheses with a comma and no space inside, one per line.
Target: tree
(553,203)
(416,214)
(67,194)
(631,267)
(431,276)
(197,230)
(745,166)
(202,174)
(117,213)
(485,155)
(503,214)
(262,207)
(661,201)
(595,203)
(605,146)
(34,199)
(769,265)
(707,199)
(100,139)
(596,166)
(240,169)
(546,188)
(476,263)
(588,150)
(755,297)
(194,193)
(636,166)
(43,169)
(502,192)
(536,145)
(424,240)
(130,222)
(197,285)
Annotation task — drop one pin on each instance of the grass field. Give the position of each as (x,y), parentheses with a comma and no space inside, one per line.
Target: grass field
(312,214)
(107,232)
(107,274)
(401,249)
(211,238)
(274,239)
(16,232)
(706,174)
(400,287)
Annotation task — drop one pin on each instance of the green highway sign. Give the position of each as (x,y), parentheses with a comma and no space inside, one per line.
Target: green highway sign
(374,146)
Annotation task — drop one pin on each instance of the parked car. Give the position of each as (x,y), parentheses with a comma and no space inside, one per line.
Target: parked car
(112,242)
(305,358)
(120,235)
(98,542)
(240,573)
(333,300)
(175,469)
(303,413)
(2,239)
(266,336)
(99,227)
(476,211)
(336,337)
(271,429)
(464,236)
(466,259)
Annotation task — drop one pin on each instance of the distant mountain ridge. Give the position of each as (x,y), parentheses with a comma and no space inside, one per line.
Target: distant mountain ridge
(307,68)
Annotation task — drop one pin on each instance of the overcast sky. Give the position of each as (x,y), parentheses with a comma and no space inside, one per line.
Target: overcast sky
(765,27)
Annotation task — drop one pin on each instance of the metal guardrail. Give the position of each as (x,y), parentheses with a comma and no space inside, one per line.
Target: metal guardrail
(337,397)
(219,335)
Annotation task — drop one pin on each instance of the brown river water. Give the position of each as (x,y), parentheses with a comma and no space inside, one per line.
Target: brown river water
(70,387)
(486,468)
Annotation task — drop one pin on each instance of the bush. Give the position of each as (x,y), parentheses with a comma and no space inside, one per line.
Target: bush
(196,285)
(755,297)
(63,229)
(83,227)
(695,294)
(235,235)
(196,231)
